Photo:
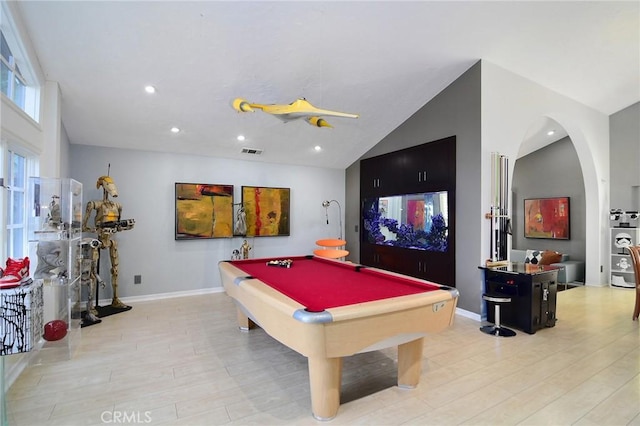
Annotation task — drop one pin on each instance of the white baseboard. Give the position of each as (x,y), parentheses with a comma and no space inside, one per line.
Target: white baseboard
(468,314)
(160,296)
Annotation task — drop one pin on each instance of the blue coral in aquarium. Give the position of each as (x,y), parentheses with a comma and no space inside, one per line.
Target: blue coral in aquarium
(433,239)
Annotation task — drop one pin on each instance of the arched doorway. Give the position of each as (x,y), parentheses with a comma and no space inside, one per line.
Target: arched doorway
(547,166)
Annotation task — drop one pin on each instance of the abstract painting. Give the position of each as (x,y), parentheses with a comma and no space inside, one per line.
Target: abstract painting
(203,211)
(546,218)
(267,211)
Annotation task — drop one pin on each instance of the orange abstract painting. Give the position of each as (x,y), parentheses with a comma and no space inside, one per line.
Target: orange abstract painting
(203,211)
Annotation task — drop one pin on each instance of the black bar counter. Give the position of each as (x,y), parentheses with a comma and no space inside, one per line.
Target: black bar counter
(532,289)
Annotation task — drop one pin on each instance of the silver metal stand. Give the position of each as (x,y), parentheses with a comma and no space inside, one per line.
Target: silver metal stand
(499,214)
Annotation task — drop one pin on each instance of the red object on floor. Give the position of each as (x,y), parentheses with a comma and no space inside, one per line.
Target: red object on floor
(55,330)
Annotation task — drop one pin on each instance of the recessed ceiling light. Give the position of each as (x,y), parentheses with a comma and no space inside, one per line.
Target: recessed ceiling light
(551,132)
(317,148)
(149,89)
(240,137)
(175,130)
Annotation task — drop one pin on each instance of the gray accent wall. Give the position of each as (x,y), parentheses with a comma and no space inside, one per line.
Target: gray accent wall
(456,111)
(146,186)
(553,171)
(625,158)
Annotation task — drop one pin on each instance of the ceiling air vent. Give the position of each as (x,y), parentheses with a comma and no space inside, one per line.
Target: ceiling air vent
(254,151)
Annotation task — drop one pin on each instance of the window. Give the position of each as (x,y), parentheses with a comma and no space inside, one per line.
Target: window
(13,83)
(16,218)
(20,81)
(17,167)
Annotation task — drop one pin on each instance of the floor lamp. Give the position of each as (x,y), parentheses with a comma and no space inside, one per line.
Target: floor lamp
(326,205)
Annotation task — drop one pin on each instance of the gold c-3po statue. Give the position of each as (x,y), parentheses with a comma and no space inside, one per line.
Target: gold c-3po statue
(107,222)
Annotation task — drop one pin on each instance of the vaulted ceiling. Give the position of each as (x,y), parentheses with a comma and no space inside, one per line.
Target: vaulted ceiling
(382,60)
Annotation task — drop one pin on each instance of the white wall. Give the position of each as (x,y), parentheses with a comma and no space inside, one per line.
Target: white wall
(51,154)
(510,105)
(145,182)
(625,158)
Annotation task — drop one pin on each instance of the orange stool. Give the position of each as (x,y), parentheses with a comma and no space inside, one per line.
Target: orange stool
(331,248)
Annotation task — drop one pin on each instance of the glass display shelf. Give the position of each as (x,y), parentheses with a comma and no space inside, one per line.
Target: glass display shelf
(55,233)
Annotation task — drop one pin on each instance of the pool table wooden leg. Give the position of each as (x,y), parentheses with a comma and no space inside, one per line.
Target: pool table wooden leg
(244,322)
(325,375)
(410,363)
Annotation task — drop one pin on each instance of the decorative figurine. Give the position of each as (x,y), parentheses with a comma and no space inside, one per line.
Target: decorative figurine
(106,223)
(235,254)
(623,241)
(240,227)
(623,264)
(300,108)
(54,218)
(245,247)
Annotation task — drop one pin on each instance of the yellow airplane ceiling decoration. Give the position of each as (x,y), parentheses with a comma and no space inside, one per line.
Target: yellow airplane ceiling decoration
(300,108)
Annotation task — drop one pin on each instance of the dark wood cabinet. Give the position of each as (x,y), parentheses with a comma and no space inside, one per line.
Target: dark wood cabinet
(373,180)
(430,167)
(426,167)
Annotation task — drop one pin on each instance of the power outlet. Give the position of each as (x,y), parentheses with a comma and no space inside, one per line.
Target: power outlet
(137,279)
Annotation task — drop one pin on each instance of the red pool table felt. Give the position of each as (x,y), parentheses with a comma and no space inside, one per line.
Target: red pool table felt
(319,284)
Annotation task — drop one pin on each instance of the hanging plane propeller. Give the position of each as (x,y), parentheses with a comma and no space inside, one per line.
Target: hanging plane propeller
(300,108)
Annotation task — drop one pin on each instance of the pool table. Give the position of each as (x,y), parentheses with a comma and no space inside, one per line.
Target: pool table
(326,309)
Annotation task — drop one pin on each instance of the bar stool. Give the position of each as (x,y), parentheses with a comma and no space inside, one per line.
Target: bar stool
(496,329)
(332,248)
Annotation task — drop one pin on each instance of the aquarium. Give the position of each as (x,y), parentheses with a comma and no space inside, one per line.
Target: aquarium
(414,221)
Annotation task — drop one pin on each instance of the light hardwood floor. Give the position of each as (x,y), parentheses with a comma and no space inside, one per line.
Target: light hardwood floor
(183,361)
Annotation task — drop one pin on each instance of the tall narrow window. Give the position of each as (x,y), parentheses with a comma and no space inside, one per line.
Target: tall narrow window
(16,208)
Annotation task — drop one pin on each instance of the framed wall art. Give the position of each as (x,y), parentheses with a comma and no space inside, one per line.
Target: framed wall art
(267,211)
(203,210)
(546,218)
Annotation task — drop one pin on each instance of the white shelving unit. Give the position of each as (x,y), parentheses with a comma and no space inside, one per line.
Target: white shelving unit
(55,232)
(620,265)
